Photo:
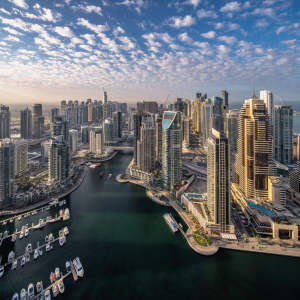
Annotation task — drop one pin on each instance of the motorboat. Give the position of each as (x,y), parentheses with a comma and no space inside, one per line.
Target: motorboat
(67,214)
(15,264)
(61,203)
(57,273)
(21,235)
(14,237)
(30,291)
(47,295)
(109,176)
(32,213)
(65,202)
(61,286)
(23,295)
(61,213)
(68,266)
(26,232)
(23,261)
(61,233)
(19,218)
(78,267)
(61,241)
(5,234)
(39,287)
(66,231)
(40,225)
(11,256)
(1,271)
(47,247)
(46,239)
(29,248)
(48,219)
(52,277)
(15,296)
(4,222)
(48,207)
(54,291)
(27,257)
(36,254)
(11,220)
(26,226)
(50,237)
(23,228)
(40,251)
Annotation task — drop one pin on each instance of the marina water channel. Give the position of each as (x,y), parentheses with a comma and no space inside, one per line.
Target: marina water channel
(129,252)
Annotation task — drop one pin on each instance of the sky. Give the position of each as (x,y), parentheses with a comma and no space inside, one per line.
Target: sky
(146,49)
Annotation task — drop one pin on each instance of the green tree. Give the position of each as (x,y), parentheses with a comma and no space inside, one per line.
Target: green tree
(279,241)
(245,237)
(293,243)
(269,240)
(258,238)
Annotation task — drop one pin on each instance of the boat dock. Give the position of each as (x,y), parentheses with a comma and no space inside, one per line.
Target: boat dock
(73,271)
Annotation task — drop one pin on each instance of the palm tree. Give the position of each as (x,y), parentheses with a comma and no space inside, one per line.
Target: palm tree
(258,238)
(269,240)
(245,237)
(293,243)
(279,241)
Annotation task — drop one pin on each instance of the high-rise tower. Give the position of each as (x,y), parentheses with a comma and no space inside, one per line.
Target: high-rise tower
(4,122)
(26,123)
(37,120)
(268,98)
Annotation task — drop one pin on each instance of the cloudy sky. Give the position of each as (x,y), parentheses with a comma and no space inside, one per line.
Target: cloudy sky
(147,49)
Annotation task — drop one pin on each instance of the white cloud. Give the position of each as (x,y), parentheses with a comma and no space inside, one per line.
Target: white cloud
(67,1)
(137,5)
(202,13)
(24,51)
(90,38)
(12,39)
(17,23)
(233,6)
(195,3)
(88,8)
(185,38)
(151,37)
(269,12)
(12,31)
(128,44)
(219,26)
(247,5)
(260,51)
(118,30)
(64,31)
(176,47)
(209,35)
(76,40)
(19,3)
(41,42)
(179,22)
(206,48)
(3,44)
(223,49)
(228,39)
(290,42)
(105,3)
(86,47)
(96,28)
(261,23)
(281,29)
(5,11)
(50,39)
(245,44)
(233,26)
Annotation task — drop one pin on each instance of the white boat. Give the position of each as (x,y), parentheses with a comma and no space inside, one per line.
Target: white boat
(50,237)
(52,277)
(5,234)
(109,176)
(39,287)
(23,295)
(61,233)
(40,225)
(15,296)
(61,286)
(54,291)
(66,231)
(19,218)
(23,261)
(47,295)
(15,264)
(14,237)
(57,273)
(67,214)
(11,220)
(61,203)
(27,257)
(29,248)
(170,221)
(65,202)
(4,223)
(40,251)
(61,213)
(47,247)
(48,207)
(11,256)
(32,213)
(78,267)
(61,241)
(68,266)
(46,239)
(30,291)
(21,235)
(36,254)
(26,232)
(1,271)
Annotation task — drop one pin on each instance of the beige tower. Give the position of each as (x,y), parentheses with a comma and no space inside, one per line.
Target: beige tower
(255,153)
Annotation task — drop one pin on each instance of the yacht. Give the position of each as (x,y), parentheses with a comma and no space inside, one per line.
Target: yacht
(78,267)
(19,218)
(39,287)
(48,207)
(48,219)
(30,291)
(170,221)
(67,214)
(29,248)
(32,213)
(50,237)
(109,176)
(26,232)
(23,261)
(1,271)
(40,225)
(52,277)
(61,233)
(21,235)
(36,254)
(27,257)
(23,295)
(15,296)
(11,220)
(65,202)
(47,295)
(5,234)
(61,213)
(40,251)
(23,228)
(47,248)
(15,264)
(11,256)
(61,203)
(57,273)
(46,239)
(54,290)
(68,266)
(61,286)
(66,231)
(4,223)
(61,241)
(14,237)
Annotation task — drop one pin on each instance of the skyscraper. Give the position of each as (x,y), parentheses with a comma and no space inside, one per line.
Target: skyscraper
(59,159)
(268,98)
(7,174)
(117,124)
(60,127)
(96,140)
(185,125)
(151,107)
(283,133)
(225,97)
(171,149)
(106,110)
(158,137)
(4,122)
(21,156)
(255,150)
(63,106)
(26,123)
(231,128)
(73,136)
(85,134)
(218,185)
(53,113)
(37,120)
(108,131)
(104,97)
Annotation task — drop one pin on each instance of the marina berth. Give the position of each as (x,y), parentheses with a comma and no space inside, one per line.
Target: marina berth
(61,241)
(29,248)
(78,267)
(47,248)
(66,231)
(26,232)
(15,264)
(5,234)
(36,254)
(50,237)
(40,251)
(23,261)
(15,296)
(11,256)
(27,258)
(39,287)
(54,291)
(67,214)
(13,238)
(57,273)
(21,235)
(68,266)
(109,176)
(30,291)
(23,294)
(47,295)
(61,286)
(171,222)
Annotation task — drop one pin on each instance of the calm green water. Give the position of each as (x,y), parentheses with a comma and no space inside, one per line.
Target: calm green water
(128,252)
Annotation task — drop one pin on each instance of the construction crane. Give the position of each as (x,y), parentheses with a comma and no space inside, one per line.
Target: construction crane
(162,110)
